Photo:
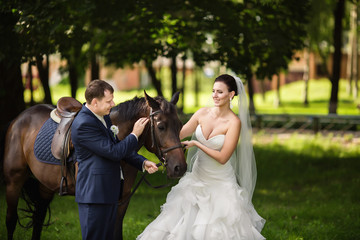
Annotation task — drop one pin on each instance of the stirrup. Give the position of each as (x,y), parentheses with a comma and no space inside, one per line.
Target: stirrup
(65,192)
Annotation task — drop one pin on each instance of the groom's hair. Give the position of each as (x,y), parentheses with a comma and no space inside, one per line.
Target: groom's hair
(96,89)
(229,81)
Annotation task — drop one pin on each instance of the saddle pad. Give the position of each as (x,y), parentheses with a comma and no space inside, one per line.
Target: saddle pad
(42,146)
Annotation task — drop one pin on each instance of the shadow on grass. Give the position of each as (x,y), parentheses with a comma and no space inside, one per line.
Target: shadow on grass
(311,193)
(308,194)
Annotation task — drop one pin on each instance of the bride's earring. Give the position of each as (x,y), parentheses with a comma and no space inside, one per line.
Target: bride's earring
(231,106)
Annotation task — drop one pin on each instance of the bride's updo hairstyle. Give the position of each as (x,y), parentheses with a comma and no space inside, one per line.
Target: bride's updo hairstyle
(229,81)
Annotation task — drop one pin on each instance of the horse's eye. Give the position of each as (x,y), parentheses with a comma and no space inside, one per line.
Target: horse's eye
(161,127)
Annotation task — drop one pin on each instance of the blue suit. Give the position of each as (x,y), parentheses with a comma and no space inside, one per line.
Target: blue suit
(98,183)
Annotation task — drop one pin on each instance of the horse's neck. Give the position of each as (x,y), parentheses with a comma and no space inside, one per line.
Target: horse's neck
(125,127)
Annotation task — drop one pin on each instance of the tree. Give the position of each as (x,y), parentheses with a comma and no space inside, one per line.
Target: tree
(49,26)
(150,29)
(35,26)
(251,38)
(306,76)
(352,63)
(127,34)
(336,66)
(260,39)
(11,85)
(326,33)
(72,35)
(283,33)
(320,36)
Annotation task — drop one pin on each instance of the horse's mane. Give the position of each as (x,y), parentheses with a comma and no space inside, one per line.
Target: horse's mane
(131,109)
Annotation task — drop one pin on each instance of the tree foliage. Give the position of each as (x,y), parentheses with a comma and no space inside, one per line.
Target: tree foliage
(11,51)
(249,37)
(320,31)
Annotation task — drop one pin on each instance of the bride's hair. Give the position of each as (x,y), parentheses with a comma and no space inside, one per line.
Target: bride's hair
(229,81)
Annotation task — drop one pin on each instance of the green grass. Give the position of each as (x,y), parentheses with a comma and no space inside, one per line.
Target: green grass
(291,97)
(307,188)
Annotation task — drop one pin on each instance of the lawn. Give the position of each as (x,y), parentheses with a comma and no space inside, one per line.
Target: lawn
(291,96)
(307,188)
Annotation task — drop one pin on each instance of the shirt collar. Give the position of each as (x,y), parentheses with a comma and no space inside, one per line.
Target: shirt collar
(101,118)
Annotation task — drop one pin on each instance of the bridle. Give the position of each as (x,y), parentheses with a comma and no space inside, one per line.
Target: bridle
(160,153)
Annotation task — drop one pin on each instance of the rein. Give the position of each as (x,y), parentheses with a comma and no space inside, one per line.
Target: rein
(161,154)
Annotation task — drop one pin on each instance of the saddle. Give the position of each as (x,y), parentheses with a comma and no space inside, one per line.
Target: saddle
(66,111)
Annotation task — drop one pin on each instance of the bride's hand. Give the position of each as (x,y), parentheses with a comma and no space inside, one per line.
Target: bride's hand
(189,144)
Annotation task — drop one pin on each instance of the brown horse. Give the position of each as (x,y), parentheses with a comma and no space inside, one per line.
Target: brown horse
(20,164)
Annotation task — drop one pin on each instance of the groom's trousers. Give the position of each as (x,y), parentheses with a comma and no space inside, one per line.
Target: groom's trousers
(97,221)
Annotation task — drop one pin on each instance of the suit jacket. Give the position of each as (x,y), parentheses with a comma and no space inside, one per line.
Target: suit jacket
(98,154)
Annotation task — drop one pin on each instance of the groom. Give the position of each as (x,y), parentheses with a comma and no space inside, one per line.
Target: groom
(98,153)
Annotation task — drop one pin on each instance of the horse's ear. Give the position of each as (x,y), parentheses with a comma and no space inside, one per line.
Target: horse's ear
(175,98)
(151,102)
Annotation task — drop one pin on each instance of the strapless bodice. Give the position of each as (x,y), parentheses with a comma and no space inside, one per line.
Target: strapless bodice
(207,168)
(215,142)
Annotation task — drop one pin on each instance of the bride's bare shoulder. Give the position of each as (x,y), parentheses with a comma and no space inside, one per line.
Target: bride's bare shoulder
(203,111)
(234,119)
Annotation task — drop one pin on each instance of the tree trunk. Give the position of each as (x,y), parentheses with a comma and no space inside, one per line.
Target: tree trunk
(29,79)
(11,97)
(306,76)
(75,68)
(263,91)
(43,69)
(351,69)
(173,75)
(154,80)
(349,62)
(73,77)
(11,92)
(197,86)
(183,84)
(277,101)
(95,67)
(355,72)
(324,62)
(338,13)
(11,85)
(251,95)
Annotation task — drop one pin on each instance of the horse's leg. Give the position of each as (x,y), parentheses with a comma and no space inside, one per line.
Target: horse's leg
(14,184)
(41,206)
(129,180)
(15,175)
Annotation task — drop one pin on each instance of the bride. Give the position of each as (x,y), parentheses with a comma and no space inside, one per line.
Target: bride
(213,199)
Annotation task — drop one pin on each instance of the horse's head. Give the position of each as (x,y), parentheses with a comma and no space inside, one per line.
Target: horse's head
(163,135)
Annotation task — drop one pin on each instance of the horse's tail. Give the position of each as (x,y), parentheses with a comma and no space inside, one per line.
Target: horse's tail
(34,203)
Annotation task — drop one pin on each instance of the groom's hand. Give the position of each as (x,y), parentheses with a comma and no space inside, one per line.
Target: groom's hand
(150,167)
(139,126)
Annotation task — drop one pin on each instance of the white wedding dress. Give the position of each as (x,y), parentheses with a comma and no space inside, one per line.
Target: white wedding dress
(206,204)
